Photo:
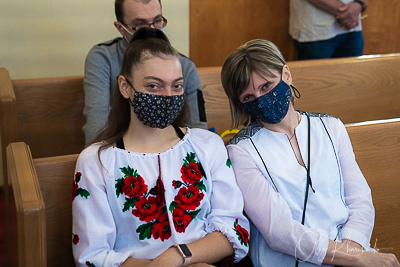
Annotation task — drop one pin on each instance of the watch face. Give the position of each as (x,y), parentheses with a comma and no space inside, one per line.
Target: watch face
(185,250)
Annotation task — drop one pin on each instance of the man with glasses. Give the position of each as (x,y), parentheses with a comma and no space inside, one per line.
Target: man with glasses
(104,61)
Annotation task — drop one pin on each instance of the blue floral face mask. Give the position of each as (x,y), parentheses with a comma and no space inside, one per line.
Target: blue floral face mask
(271,107)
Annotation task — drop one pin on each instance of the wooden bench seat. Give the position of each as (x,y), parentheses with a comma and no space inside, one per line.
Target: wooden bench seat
(42,189)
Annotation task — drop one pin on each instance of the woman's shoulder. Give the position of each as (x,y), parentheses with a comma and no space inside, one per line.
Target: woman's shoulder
(245,133)
(203,135)
(316,115)
(90,152)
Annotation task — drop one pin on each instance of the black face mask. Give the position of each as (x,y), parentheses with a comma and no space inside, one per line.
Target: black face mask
(156,111)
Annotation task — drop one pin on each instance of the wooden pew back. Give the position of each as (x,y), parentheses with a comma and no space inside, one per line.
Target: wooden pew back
(42,190)
(50,110)
(50,115)
(377,148)
(352,89)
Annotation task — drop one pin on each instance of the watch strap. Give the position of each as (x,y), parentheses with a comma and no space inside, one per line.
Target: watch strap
(185,253)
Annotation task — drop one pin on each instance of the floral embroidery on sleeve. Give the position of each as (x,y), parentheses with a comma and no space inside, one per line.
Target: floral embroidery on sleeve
(148,206)
(76,190)
(88,263)
(242,233)
(190,194)
(75,239)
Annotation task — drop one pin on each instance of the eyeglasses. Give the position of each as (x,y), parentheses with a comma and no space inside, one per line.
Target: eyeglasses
(158,24)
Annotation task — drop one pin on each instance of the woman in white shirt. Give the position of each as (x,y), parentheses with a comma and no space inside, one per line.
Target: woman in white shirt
(148,192)
(306,198)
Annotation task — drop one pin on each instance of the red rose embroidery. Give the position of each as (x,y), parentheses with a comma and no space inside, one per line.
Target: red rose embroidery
(161,229)
(181,220)
(242,233)
(75,187)
(191,173)
(189,198)
(75,239)
(134,187)
(147,209)
(76,190)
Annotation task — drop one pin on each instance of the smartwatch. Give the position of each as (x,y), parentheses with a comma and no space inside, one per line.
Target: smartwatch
(185,253)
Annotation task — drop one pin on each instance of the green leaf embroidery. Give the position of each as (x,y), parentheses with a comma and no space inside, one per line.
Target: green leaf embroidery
(82,192)
(201,186)
(172,206)
(190,157)
(129,203)
(128,171)
(153,191)
(144,230)
(119,186)
(228,163)
(193,214)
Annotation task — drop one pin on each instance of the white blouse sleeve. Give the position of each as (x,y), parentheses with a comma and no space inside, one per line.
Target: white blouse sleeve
(357,194)
(273,218)
(93,228)
(226,214)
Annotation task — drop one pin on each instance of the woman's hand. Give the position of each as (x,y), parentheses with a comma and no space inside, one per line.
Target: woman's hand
(367,258)
(349,253)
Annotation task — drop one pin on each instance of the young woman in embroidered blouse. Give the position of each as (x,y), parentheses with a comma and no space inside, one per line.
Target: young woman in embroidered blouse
(150,184)
(304,193)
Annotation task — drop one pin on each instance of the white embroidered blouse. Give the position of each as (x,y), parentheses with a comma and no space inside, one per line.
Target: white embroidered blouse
(274,191)
(120,209)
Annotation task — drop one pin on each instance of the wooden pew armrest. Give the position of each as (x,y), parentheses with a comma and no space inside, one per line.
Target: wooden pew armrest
(31,216)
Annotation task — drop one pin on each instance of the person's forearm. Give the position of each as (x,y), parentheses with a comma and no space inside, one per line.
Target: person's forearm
(341,254)
(346,254)
(328,6)
(211,248)
(130,262)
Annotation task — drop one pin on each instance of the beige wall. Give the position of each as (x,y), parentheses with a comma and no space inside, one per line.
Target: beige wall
(45,38)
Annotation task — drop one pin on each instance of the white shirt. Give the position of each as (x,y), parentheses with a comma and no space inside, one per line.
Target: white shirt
(341,206)
(117,214)
(307,23)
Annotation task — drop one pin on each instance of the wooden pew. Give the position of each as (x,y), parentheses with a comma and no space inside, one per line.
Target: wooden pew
(352,89)
(42,189)
(376,145)
(45,113)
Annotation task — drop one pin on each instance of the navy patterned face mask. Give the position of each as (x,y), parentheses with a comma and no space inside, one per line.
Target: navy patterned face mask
(156,111)
(271,107)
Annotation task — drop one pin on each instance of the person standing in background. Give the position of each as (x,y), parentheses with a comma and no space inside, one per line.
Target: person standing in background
(327,28)
(104,60)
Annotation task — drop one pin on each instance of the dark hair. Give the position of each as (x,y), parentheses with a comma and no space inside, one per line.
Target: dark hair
(260,56)
(137,51)
(119,8)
